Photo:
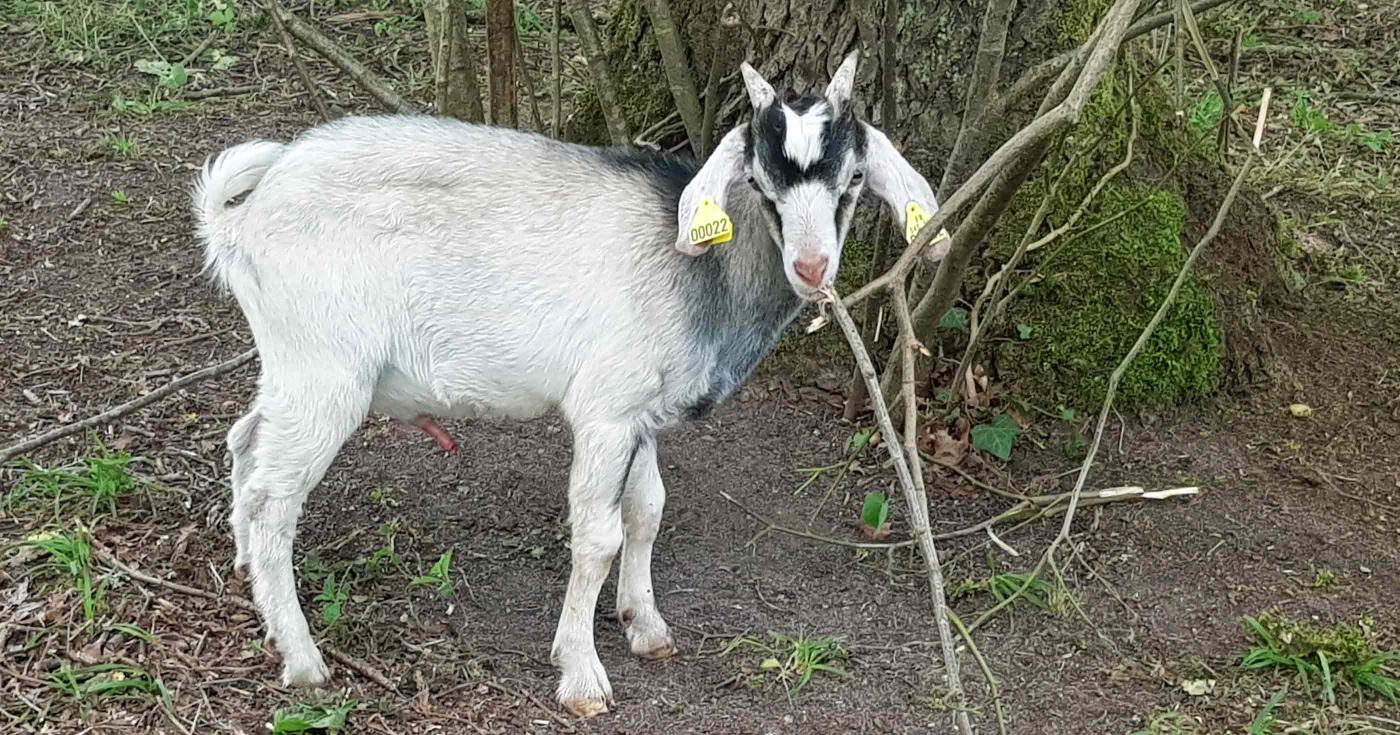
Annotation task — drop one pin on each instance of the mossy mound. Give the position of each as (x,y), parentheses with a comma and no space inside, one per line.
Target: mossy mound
(1072,327)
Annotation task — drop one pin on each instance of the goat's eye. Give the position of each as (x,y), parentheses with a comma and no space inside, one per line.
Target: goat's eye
(857,177)
(753,184)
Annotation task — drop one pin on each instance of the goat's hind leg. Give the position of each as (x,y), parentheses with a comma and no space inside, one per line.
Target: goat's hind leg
(642,503)
(302,428)
(242,437)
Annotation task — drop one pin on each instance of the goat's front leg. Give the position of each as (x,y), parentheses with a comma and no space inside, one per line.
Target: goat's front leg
(602,454)
(641,519)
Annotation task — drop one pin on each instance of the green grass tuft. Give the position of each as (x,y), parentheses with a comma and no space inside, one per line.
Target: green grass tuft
(793,661)
(99,481)
(1324,659)
(70,555)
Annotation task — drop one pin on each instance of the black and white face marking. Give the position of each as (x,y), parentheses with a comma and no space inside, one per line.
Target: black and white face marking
(805,156)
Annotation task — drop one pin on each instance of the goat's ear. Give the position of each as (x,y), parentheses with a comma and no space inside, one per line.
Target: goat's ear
(709,190)
(843,83)
(761,93)
(907,193)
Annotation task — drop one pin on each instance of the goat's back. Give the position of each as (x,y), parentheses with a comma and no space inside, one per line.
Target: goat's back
(469,264)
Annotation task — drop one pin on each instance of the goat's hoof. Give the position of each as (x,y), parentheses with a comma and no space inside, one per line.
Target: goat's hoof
(586,708)
(666,649)
(307,670)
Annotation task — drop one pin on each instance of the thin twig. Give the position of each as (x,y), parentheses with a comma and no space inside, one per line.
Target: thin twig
(966,635)
(556,90)
(34,442)
(275,14)
(332,52)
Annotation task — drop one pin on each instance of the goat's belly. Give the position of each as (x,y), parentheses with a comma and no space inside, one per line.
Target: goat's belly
(464,394)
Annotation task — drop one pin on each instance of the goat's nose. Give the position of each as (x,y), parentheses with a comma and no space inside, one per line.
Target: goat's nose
(811,269)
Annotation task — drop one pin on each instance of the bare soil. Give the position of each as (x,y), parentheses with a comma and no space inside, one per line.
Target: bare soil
(100,301)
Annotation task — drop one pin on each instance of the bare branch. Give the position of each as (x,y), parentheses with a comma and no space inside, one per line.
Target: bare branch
(677,65)
(556,90)
(991,47)
(213,371)
(332,52)
(916,501)
(592,44)
(723,41)
(311,89)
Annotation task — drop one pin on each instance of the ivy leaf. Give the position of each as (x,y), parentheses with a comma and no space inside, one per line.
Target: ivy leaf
(997,437)
(1024,331)
(954,318)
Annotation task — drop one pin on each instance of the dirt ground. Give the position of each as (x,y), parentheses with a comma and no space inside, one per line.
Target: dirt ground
(101,299)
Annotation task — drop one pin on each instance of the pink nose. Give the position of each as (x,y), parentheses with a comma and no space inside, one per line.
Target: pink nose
(811,269)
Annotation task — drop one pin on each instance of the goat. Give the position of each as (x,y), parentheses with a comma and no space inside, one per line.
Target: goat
(416,267)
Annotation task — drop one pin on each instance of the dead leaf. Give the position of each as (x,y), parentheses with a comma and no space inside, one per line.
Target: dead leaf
(1301,411)
(947,450)
(1198,687)
(1021,420)
(875,534)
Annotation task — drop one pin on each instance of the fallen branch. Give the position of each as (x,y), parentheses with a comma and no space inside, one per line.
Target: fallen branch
(291,48)
(332,52)
(32,443)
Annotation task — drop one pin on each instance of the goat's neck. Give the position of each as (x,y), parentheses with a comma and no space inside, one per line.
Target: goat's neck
(741,299)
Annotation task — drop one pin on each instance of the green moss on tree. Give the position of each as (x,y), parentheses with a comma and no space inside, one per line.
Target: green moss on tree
(1096,296)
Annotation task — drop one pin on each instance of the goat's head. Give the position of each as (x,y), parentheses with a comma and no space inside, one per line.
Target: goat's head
(808,158)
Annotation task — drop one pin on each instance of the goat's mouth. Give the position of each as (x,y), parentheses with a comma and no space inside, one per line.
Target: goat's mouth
(807,293)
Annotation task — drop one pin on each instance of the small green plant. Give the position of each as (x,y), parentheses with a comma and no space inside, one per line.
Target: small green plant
(386,553)
(1002,586)
(1377,140)
(333,597)
(439,577)
(1264,721)
(1165,723)
(119,197)
(997,437)
(134,631)
(793,660)
(105,680)
(1324,579)
(100,481)
(874,514)
(168,75)
(1326,657)
(222,15)
(71,556)
(1307,117)
(954,319)
(308,716)
(1206,114)
(121,146)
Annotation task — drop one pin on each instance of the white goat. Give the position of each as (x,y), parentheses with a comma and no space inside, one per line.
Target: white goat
(414,266)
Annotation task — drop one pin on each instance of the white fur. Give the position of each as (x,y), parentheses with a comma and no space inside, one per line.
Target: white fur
(803,140)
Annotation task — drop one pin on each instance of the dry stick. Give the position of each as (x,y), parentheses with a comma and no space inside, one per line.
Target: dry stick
(914,499)
(677,66)
(291,47)
(556,90)
(723,39)
(323,45)
(592,45)
(966,635)
(991,47)
(34,442)
(105,555)
(1142,339)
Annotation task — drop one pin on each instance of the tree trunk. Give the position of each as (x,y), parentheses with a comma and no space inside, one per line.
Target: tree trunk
(454,62)
(500,61)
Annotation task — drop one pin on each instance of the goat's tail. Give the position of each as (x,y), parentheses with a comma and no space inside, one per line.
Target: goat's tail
(225,176)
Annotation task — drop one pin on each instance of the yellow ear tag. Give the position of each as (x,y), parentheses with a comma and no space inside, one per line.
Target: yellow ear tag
(711,226)
(914,220)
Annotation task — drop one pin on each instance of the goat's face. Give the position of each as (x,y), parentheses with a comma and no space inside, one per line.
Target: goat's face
(807,158)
